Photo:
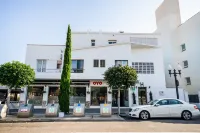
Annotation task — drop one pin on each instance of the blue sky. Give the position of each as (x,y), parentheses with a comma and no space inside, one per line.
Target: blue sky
(25,22)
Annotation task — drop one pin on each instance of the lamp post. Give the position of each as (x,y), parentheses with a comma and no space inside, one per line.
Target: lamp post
(175,73)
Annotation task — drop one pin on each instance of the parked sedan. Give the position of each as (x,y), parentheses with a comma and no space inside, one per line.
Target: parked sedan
(165,108)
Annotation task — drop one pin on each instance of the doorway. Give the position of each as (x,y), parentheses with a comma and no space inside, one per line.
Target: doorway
(123,98)
(142,95)
(98,95)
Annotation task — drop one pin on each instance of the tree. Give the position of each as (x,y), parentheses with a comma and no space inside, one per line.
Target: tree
(120,77)
(15,75)
(65,77)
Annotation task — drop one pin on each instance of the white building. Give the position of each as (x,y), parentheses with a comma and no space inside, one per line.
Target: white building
(180,45)
(94,52)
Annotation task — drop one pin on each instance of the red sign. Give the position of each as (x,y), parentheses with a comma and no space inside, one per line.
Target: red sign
(97,83)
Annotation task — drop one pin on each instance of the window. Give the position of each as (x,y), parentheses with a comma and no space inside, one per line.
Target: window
(92,42)
(163,102)
(185,64)
(173,101)
(59,64)
(96,63)
(112,41)
(188,81)
(77,66)
(41,65)
(183,47)
(143,67)
(121,62)
(77,94)
(102,63)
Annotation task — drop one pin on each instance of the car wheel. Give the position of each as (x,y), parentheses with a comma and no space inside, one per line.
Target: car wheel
(144,115)
(186,115)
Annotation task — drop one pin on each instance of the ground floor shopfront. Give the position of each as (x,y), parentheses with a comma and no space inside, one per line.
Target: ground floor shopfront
(91,92)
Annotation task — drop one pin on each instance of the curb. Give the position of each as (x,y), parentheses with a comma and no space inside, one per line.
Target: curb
(59,120)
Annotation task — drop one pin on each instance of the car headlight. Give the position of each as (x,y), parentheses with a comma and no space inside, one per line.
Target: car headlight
(135,109)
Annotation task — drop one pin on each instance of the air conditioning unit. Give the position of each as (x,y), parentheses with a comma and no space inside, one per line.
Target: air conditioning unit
(121,31)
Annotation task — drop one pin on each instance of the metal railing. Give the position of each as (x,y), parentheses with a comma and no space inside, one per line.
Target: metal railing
(58,71)
(143,40)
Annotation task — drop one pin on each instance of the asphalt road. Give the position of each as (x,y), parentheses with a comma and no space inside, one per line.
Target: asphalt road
(130,125)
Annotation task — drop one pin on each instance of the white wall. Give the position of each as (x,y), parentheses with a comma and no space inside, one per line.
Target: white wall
(83,39)
(52,54)
(156,80)
(173,34)
(188,33)
(167,19)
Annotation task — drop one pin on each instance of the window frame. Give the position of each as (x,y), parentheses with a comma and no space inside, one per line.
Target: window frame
(144,67)
(94,65)
(76,70)
(120,60)
(112,41)
(102,63)
(187,80)
(184,64)
(42,68)
(93,42)
(183,49)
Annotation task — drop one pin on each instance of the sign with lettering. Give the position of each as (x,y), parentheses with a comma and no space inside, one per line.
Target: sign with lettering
(98,83)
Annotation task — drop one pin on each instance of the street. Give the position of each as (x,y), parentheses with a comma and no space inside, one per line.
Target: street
(131,125)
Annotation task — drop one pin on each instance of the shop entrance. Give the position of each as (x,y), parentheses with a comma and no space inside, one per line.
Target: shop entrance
(98,95)
(123,98)
(142,95)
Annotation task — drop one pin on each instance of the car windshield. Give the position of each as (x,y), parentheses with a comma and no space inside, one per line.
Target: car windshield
(152,102)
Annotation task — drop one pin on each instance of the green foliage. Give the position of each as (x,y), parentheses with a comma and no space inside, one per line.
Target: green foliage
(16,74)
(120,77)
(65,77)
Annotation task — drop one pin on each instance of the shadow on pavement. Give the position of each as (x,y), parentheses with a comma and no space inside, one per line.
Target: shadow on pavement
(195,120)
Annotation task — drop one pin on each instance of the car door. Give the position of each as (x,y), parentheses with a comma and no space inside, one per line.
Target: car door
(175,108)
(162,110)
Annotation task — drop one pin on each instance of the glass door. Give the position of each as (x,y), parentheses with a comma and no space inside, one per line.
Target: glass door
(142,95)
(98,95)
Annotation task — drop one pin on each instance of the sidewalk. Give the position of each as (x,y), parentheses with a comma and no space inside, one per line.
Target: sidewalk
(67,118)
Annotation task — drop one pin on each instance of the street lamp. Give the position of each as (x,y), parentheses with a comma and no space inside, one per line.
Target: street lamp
(175,73)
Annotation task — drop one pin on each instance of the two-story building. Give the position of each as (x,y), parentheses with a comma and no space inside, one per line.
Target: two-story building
(92,54)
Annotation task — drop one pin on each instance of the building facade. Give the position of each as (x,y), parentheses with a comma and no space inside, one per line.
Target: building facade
(179,42)
(92,54)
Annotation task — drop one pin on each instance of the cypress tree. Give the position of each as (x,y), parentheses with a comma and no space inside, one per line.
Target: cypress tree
(65,76)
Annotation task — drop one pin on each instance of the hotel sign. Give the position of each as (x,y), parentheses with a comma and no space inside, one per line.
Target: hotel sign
(98,83)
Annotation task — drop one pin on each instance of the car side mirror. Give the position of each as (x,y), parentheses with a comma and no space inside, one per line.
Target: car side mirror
(156,105)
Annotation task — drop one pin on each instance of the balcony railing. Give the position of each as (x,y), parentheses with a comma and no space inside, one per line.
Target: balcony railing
(146,41)
(58,70)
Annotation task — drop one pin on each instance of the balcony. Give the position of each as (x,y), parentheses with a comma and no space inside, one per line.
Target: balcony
(144,41)
(58,70)
(56,73)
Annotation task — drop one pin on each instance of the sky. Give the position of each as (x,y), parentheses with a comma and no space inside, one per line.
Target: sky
(25,22)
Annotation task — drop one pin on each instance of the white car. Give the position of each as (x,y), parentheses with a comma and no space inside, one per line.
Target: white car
(167,107)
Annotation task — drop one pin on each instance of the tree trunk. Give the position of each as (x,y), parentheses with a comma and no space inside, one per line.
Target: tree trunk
(118,101)
(8,100)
